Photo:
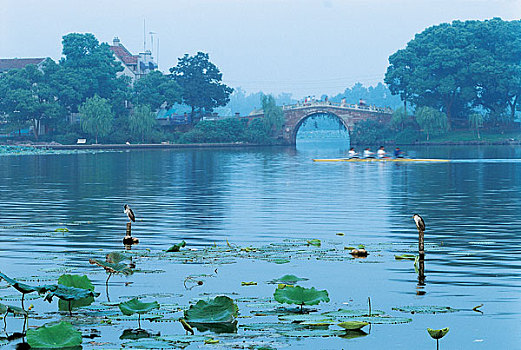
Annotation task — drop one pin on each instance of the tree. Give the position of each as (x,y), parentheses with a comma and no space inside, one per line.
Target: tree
(87,69)
(400,118)
(156,89)
(142,121)
(26,97)
(273,115)
(476,122)
(200,81)
(431,121)
(96,116)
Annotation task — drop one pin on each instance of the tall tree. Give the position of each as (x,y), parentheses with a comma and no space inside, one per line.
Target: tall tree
(142,121)
(156,89)
(200,81)
(27,97)
(96,116)
(431,121)
(273,115)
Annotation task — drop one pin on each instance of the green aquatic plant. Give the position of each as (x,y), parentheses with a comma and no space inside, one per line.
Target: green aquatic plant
(176,247)
(438,334)
(112,268)
(314,242)
(58,336)
(75,281)
(288,279)
(16,311)
(69,294)
(134,306)
(353,325)
(300,296)
(218,314)
(25,288)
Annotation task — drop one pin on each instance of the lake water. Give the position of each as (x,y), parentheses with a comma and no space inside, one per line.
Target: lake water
(257,196)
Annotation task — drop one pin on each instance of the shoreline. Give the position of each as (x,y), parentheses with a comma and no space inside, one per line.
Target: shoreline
(118,146)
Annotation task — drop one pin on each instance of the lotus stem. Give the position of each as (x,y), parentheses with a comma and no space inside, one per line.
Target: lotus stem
(5,323)
(23,296)
(437,344)
(70,308)
(369,302)
(107,281)
(139,321)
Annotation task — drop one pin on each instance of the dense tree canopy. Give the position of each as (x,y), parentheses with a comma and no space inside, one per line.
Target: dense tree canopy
(96,116)
(460,66)
(200,81)
(156,89)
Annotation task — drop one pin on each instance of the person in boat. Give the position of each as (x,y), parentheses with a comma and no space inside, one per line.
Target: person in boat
(398,153)
(352,153)
(368,153)
(381,152)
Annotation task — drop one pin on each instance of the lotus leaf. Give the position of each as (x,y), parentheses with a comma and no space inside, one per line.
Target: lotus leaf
(248,283)
(314,242)
(288,279)
(61,229)
(76,281)
(425,309)
(148,343)
(25,288)
(405,257)
(353,325)
(113,268)
(58,336)
(135,306)
(115,257)
(223,327)
(438,333)
(301,296)
(351,334)
(221,309)
(176,247)
(345,313)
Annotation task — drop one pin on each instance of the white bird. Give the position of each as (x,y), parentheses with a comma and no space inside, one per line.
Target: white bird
(129,213)
(420,224)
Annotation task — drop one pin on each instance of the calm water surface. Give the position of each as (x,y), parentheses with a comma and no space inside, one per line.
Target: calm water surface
(259,196)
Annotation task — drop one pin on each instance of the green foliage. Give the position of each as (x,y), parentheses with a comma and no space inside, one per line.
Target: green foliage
(133,306)
(76,281)
(96,116)
(224,130)
(353,325)
(221,309)
(476,122)
(256,133)
(200,81)
(273,115)
(176,247)
(59,336)
(300,296)
(156,89)
(456,66)
(431,121)
(142,121)
(369,132)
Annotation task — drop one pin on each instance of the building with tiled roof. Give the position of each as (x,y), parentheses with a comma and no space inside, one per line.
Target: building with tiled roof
(7,64)
(135,66)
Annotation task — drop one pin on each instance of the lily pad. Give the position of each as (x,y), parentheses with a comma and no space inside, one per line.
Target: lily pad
(76,281)
(438,333)
(149,344)
(305,333)
(314,242)
(405,257)
(300,296)
(351,334)
(69,293)
(25,288)
(113,268)
(61,229)
(353,325)
(221,309)
(288,279)
(133,306)
(425,309)
(383,319)
(58,336)
(347,313)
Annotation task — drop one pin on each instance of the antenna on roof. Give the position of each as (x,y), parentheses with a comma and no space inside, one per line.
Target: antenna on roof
(144,37)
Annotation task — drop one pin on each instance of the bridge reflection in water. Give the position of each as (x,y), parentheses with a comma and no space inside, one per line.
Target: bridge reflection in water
(322,131)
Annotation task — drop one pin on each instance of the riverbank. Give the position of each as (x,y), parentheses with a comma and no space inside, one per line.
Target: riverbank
(123,146)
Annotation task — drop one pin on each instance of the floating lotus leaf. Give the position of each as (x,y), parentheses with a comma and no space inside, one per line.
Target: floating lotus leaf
(134,306)
(438,333)
(185,339)
(353,325)
(149,344)
(306,318)
(351,334)
(310,332)
(382,319)
(346,313)
(58,336)
(76,281)
(133,334)
(61,229)
(222,327)
(288,279)
(300,296)
(176,247)
(314,242)
(221,309)
(425,309)
(115,268)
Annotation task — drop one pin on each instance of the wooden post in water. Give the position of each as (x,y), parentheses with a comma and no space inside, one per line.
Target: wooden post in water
(421,250)
(421,262)
(129,229)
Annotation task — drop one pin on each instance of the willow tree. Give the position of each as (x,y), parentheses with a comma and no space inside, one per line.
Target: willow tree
(273,115)
(96,116)
(431,121)
(142,121)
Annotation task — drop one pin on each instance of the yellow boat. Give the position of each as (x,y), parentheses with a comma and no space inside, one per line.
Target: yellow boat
(380,160)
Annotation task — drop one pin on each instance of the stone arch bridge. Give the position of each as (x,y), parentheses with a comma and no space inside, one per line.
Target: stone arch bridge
(349,114)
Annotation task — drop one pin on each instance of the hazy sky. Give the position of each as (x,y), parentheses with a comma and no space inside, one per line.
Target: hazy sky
(306,47)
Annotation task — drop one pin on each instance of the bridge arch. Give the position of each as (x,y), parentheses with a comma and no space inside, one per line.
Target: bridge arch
(311,114)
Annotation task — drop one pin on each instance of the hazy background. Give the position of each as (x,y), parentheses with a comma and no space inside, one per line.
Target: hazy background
(303,47)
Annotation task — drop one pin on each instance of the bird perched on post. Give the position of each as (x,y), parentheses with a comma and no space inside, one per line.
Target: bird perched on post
(129,213)
(420,224)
